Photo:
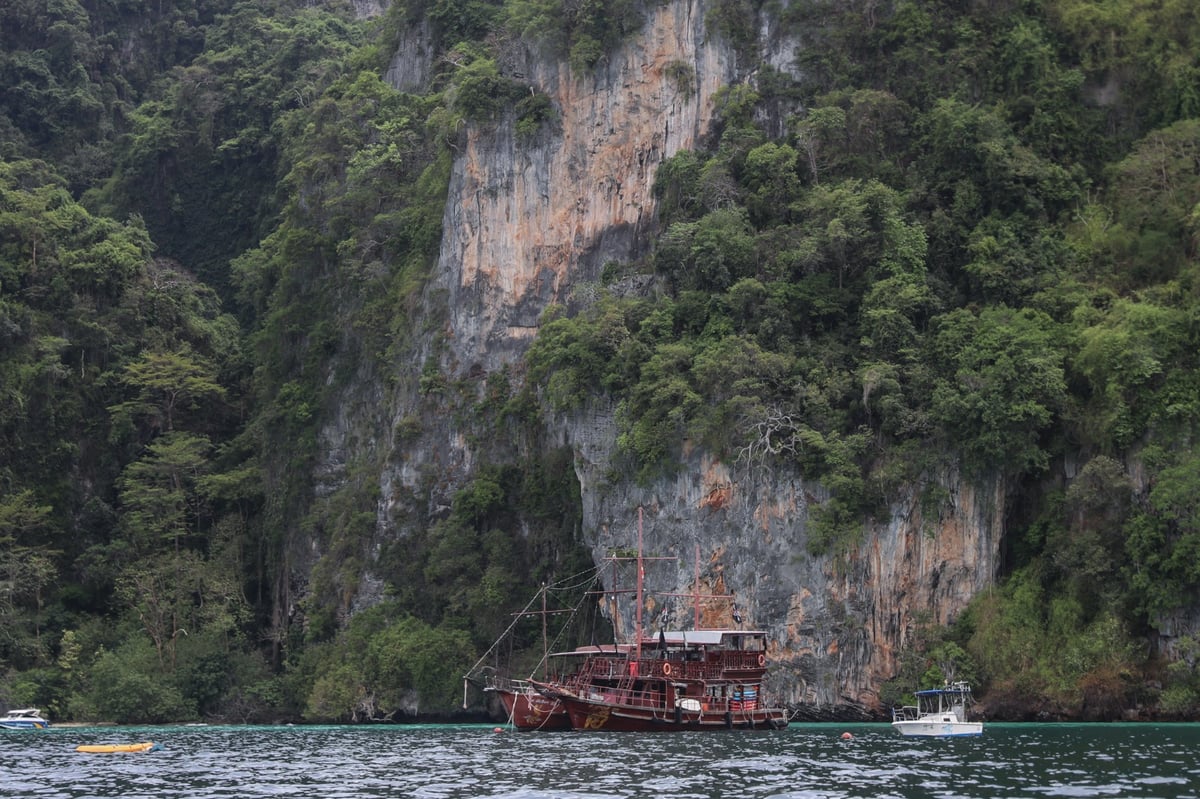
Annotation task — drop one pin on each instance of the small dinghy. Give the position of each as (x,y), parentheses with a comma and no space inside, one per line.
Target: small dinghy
(144,746)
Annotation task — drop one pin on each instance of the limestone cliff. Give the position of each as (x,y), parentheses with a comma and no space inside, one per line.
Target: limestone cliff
(526,223)
(531,223)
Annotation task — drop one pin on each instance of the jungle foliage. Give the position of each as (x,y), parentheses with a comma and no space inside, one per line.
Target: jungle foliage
(960,253)
(972,249)
(164,377)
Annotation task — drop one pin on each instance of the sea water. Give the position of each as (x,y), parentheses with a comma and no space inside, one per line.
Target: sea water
(817,761)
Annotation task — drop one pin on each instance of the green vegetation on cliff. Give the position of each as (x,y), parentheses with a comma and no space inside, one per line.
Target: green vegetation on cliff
(977,246)
(973,246)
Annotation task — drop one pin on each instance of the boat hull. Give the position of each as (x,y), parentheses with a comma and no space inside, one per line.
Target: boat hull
(938,729)
(528,710)
(25,718)
(24,725)
(586,715)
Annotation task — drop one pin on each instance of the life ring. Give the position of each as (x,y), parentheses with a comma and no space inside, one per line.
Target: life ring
(666,669)
(761,659)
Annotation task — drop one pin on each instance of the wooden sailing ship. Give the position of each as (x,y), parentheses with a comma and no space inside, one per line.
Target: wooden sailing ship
(682,680)
(698,679)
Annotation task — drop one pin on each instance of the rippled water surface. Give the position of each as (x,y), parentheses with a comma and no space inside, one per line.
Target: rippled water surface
(1009,760)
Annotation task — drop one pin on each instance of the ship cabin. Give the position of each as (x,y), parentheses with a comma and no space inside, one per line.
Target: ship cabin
(695,670)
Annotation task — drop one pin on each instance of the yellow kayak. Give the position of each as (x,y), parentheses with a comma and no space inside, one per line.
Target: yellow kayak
(145,746)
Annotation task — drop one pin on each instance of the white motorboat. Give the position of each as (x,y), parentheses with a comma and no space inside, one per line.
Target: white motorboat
(27,718)
(939,712)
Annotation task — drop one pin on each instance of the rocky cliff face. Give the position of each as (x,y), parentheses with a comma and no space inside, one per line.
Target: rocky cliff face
(836,624)
(529,224)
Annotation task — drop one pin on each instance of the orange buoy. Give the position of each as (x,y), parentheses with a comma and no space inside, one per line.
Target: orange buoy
(846,736)
(498,729)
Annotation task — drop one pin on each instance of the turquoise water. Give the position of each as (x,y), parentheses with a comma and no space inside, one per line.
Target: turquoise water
(806,760)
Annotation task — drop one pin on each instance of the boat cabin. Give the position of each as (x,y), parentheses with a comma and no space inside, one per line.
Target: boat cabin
(944,704)
(692,670)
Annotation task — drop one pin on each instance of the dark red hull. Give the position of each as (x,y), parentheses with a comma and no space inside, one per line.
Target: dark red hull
(529,710)
(600,715)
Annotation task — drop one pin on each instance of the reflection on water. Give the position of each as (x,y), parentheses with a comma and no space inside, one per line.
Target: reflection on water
(468,762)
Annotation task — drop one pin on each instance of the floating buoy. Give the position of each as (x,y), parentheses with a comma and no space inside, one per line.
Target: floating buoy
(498,729)
(846,736)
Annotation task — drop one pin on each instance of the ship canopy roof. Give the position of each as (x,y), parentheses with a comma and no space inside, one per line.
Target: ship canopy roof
(594,649)
(671,639)
(731,639)
(956,688)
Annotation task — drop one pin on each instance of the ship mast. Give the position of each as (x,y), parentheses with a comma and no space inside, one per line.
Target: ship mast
(641,573)
(545,638)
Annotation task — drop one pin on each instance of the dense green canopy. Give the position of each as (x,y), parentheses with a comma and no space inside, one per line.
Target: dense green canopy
(972,247)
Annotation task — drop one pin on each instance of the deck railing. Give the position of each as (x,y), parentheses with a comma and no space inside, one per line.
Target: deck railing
(676,668)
